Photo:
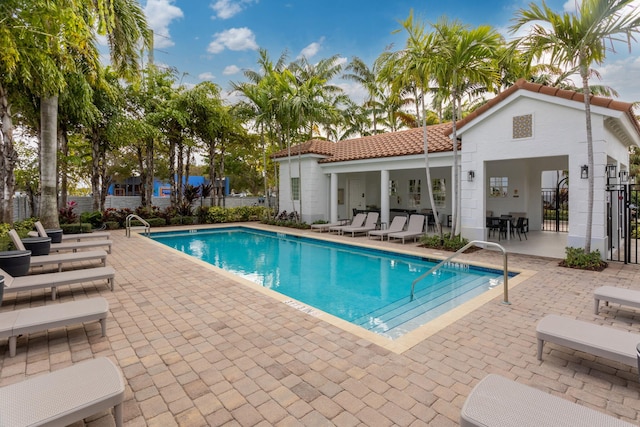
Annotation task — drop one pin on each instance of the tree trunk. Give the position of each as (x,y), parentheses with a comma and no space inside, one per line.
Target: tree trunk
(143,177)
(584,73)
(180,173)
(96,190)
(212,173)
(8,159)
(149,176)
(172,174)
(454,185)
(48,161)
(63,145)
(425,142)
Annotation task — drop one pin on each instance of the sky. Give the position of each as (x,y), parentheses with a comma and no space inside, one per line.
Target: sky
(216,40)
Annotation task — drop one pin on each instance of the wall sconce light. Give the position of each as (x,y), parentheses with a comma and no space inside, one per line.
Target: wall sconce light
(471,176)
(584,171)
(624,176)
(611,171)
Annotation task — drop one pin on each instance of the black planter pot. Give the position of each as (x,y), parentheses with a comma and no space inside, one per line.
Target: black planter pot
(37,245)
(15,263)
(55,234)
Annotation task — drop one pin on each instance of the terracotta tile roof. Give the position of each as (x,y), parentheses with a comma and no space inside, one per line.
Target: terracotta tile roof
(390,144)
(552,91)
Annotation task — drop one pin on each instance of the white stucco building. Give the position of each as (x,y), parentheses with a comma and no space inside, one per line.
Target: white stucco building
(505,146)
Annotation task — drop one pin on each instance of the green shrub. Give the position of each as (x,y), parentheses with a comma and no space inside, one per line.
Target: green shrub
(84,227)
(112,225)
(447,243)
(22,228)
(577,258)
(93,218)
(153,222)
(183,220)
(217,214)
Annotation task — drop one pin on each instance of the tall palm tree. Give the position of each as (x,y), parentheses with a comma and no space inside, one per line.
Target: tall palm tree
(360,72)
(465,62)
(577,41)
(71,33)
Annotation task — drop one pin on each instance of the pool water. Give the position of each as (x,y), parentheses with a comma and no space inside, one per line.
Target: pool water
(367,287)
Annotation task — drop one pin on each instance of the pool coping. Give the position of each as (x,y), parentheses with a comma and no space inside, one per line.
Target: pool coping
(398,345)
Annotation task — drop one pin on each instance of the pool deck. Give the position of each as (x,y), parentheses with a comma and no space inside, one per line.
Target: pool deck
(197,347)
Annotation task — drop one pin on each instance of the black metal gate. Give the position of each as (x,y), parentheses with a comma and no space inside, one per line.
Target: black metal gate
(555,207)
(622,223)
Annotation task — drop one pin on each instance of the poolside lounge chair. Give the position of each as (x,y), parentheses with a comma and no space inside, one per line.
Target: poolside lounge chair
(397,225)
(357,221)
(620,296)
(65,396)
(498,401)
(597,340)
(74,246)
(371,223)
(414,230)
(59,259)
(38,319)
(53,280)
(328,225)
(71,237)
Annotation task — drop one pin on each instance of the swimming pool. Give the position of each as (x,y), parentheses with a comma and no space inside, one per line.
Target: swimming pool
(366,287)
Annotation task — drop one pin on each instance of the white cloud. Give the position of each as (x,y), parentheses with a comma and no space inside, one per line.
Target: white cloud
(571,5)
(341,61)
(206,76)
(311,50)
(226,9)
(621,75)
(230,70)
(233,39)
(159,15)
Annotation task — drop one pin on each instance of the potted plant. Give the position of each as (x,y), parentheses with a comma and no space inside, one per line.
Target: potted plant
(15,263)
(37,245)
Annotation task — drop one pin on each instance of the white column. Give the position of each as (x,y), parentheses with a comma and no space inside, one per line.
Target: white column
(384,196)
(333,202)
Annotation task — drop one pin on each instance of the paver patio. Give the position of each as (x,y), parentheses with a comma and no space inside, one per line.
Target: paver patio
(198,348)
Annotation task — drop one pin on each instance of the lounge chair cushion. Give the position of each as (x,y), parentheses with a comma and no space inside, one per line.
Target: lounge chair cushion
(620,296)
(499,402)
(52,280)
(64,396)
(37,319)
(598,340)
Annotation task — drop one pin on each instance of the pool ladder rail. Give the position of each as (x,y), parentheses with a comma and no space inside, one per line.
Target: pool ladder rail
(145,225)
(445,262)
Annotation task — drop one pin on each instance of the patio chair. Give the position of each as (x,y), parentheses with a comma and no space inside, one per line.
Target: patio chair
(328,225)
(65,396)
(521,227)
(414,230)
(371,223)
(70,237)
(37,319)
(53,280)
(357,221)
(59,259)
(602,341)
(498,401)
(397,225)
(73,246)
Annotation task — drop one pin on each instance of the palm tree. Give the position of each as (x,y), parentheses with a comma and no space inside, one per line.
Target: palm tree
(414,64)
(465,62)
(577,41)
(368,78)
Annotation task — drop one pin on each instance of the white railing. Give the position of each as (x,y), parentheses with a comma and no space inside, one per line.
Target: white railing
(145,225)
(467,246)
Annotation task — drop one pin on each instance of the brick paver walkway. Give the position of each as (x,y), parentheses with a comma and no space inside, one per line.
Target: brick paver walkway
(196,348)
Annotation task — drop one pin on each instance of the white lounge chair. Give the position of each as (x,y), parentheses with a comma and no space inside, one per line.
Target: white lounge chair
(38,319)
(620,296)
(397,225)
(65,396)
(70,237)
(73,246)
(357,221)
(498,401)
(328,225)
(59,259)
(414,230)
(598,340)
(53,280)
(371,223)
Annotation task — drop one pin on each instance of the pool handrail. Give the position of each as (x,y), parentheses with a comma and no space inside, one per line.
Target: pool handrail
(145,225)
(505,299)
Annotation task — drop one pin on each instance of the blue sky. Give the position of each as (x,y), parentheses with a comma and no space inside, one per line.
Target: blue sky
(217,39)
